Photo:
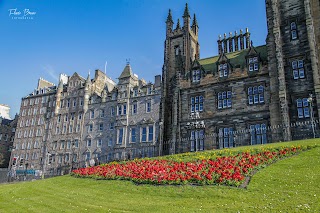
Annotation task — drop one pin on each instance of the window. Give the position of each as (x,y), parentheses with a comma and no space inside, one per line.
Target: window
(66,118)
(149,90)
(197,104)
(111,127)
(256,95)
(70,128)
(113,111)
(303,108)
(120,136)
(119,109)
(196,76)
(81,101)
(133,135)
(80,116)
(74,103)
(110,142)
(72,116)
(57,130)
(150,135)
(253,64)
(258,134)
(135,92)
(78,128)
(101,113)
(293,29)
(68,103)
(99,143)
(197,140)
(144,134)
(100,127)
(76,143)
(134,108)
(74,158)
(89,143)
(148,106)
(298,69)
(124,109)
(88,156)
(68,144)
(224,100)
(226,137)
(62,145)
(91,114)
(223,70)
(90,127)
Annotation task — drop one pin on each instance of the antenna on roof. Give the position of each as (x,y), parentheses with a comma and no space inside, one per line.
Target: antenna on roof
(128,61)
(105,67)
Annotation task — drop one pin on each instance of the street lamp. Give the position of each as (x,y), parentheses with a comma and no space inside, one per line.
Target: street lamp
(310,100)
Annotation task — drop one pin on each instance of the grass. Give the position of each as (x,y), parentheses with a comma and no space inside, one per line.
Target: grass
(290,185)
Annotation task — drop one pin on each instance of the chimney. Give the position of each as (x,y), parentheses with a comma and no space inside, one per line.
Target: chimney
(235,40)
(230,40)
(247,35)
(225,43)
(219,45)
(241,40)
(157,81)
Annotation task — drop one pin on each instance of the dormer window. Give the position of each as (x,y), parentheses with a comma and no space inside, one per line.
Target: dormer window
(223,70)
(293,28)
(135,92)
(196,76)
(149,90)
(253,64)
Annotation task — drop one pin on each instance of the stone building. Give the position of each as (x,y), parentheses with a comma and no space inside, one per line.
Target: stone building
(7,132)
(64,127)
(123,122)
(207,103)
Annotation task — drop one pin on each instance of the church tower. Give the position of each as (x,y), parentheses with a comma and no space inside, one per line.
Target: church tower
(181,49)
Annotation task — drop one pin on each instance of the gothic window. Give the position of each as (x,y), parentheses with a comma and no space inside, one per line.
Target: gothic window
(224,100)
(196,104)
(144,134)
(68,103)
(223,70)
(298,69)
(120,136)
(226,137)
(133,135)
(303,108)
(72,116)
(196,75)
(258,134)
(124,109)
(150,135)
(256,94)
(119,109)
(111,127)
(76,143)
(293,29)
(253,64)
(197,140)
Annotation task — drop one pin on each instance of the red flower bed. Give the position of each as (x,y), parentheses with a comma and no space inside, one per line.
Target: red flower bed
(228,170)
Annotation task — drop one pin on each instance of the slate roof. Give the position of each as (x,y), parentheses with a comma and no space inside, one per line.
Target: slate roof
(237,59)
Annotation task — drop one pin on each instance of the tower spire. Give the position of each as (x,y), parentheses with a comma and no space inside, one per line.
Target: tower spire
(178,24)
(169,18)
(194,21)
(186,13)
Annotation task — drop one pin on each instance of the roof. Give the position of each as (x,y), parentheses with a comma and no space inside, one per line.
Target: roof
(237,58)
(127,72)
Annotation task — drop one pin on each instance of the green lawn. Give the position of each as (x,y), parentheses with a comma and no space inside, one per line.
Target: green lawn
(290,185)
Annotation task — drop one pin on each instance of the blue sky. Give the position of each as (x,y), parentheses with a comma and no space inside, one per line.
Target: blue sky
(67,36)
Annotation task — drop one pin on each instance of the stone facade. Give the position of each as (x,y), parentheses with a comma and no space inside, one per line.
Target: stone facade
(244,87)
(70,125)
(7,132)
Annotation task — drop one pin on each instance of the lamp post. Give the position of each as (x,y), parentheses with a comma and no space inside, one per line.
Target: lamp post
(310,100)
